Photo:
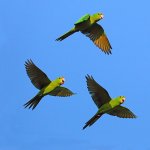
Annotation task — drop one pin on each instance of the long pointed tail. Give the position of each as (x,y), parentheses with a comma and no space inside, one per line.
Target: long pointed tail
(66,34)
(92,120)
(33,102)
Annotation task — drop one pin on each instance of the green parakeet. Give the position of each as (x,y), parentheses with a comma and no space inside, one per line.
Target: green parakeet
(47,87)
(105,104)
(89,27)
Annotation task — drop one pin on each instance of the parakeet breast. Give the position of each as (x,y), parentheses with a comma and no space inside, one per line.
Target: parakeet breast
(50,87)
(92,20)
(114,102)
(105,108)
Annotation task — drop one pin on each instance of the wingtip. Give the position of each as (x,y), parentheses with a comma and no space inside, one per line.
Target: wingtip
(88,76)
(71,95)
(110,47)
(134,116)
(28,61)
(108,52)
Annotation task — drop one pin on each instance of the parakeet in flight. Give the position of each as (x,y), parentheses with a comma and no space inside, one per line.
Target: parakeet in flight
(47,87)
(105,104)
(89,27)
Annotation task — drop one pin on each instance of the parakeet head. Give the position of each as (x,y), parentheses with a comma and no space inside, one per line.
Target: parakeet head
(121,99)
(61,80)
(98,16)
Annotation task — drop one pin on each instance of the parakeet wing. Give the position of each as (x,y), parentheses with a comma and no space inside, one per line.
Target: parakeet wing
(82,19)
(37,76)
(61,91)
(97,35)
(122,112)
(99,95)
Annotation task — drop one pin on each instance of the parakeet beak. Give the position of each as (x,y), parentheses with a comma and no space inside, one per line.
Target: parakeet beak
(102,16)
(123,99)
(62,81)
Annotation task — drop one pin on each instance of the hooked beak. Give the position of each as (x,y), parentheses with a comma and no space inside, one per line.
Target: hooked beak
(62,81)
(102,16)
(123,99)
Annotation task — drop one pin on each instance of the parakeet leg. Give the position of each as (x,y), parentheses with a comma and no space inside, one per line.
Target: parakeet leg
(92,120)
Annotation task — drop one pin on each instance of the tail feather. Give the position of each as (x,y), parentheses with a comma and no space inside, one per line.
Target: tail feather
(66,34)
(33,102)
(92,120)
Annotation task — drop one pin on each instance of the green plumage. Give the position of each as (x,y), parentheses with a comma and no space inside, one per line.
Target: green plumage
(82,19)
(105,104)
(47,87)
(89,27)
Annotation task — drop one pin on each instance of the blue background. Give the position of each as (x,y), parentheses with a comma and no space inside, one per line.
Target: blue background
(28,29)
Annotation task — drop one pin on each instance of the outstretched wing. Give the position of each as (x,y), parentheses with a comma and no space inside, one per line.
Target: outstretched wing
(99,95)
(97,35)
(61,91)
(82,19)
(38,78)
(122,112)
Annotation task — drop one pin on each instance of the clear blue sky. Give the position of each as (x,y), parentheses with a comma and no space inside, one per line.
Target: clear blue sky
(28,29)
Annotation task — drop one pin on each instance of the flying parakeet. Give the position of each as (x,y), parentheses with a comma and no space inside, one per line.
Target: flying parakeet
(47,87)
(88,26)
(105,104)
